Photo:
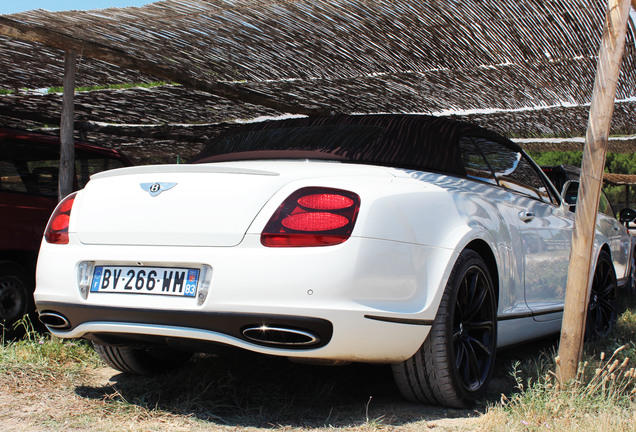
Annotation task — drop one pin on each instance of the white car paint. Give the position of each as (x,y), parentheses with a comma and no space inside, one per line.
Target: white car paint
(372,298)
(396,269)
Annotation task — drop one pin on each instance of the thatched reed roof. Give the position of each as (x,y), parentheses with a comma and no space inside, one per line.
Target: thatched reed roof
(619,179)
(247,58)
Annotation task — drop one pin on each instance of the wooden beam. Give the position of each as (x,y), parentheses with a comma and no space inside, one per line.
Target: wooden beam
(594,151)
(195,133)
(119,58)
(67,146)
(17,111)
(177,132)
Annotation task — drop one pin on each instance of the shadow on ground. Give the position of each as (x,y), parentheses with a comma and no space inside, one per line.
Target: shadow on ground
(251,390)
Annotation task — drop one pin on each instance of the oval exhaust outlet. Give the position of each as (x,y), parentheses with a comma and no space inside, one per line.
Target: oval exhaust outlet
(280,336)
(54,320)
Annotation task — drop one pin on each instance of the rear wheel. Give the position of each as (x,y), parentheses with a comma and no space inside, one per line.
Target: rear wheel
(454,364)
(16,298)
(601,312)
(142,361)
(631,284)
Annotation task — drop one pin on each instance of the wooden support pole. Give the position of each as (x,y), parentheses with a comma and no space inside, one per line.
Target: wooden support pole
(580,266)
(67,148)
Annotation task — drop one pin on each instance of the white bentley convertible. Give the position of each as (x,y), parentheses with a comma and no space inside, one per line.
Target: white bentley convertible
(412,240)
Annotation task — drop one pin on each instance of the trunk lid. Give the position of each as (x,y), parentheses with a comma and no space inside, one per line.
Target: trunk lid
(172,205)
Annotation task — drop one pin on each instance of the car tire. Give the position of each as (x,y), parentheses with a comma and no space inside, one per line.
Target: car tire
(601,311)
(631,283)
(141,361)
(16,298)
(454,364)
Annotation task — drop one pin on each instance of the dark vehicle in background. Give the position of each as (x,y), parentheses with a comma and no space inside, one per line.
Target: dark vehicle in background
(566,179)
(559,174)
(29,165)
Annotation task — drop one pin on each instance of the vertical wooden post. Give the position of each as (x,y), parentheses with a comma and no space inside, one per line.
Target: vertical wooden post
(67,148)
(601,109)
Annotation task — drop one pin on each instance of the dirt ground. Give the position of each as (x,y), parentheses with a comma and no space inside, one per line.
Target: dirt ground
(89,406)
(234,394)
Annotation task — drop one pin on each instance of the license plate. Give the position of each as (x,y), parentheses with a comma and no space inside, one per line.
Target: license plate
(170,281)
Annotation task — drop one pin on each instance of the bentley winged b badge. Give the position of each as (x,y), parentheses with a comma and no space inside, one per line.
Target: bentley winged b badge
(156,188)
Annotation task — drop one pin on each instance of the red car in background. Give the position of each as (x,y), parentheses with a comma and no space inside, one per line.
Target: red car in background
(29,165)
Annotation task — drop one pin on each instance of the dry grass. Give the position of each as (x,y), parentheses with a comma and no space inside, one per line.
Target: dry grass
(53,385)
(601,398)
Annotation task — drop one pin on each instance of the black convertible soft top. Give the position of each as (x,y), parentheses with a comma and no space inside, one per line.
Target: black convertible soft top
(419,142)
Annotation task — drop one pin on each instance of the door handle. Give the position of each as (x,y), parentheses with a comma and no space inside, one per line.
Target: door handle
(526,216)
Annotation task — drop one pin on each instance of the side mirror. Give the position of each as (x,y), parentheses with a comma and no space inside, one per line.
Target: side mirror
(570,193)
(626,215)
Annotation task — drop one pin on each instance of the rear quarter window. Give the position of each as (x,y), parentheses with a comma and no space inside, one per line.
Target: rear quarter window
(10,179)
(474,163)
(32,167)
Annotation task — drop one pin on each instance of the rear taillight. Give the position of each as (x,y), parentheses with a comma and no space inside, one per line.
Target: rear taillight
(312,216)
(57,229)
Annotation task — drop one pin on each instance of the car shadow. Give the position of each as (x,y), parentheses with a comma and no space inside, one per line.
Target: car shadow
(259,391)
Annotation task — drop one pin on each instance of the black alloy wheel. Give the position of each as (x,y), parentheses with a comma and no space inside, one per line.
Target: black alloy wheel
(454,364)
(631,284)
(601,312)
(474,329)
(15,298)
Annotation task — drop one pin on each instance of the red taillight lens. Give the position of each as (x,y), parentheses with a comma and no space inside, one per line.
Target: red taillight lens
(322,221)
(325,201)
(57,229)
(312,217)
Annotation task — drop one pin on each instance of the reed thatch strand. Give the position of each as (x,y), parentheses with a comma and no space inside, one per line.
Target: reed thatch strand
(247,58)
(488,53)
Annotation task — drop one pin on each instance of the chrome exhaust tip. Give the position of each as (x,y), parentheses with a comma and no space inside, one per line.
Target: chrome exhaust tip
(54,320)
(280,336)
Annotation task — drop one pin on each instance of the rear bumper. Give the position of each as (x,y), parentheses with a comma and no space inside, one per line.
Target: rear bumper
(366,300)
(229,324)
(347,335)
